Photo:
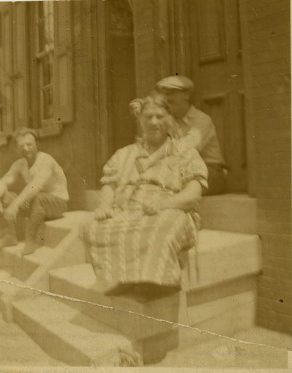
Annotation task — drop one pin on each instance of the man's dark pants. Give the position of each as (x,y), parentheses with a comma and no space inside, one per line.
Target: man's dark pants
(43,207)
(216,180)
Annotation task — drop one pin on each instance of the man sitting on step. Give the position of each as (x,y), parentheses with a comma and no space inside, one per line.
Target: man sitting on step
(196,127)
(44,196)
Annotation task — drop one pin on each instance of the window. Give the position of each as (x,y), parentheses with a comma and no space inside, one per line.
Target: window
(13,65)
(6,70)
(35,66)
(44,58)
(1,98)
(51,65)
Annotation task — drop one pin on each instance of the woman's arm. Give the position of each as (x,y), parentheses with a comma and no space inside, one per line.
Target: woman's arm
(106,196)
(187,199)
(106,199)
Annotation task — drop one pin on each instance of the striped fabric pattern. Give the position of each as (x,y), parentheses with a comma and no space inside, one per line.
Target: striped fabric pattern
(134,248)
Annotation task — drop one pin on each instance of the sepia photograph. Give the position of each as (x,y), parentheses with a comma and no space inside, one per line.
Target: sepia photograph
(145,185)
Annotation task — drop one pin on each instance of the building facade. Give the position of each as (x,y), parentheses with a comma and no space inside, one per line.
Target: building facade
(69,69)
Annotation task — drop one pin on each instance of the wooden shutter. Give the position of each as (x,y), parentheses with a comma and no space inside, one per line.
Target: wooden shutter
(63,90)
(144,33)
(7,81)
(20,71)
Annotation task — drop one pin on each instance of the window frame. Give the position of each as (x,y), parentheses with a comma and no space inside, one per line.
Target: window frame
(35,57)
(29,70)
(6,130)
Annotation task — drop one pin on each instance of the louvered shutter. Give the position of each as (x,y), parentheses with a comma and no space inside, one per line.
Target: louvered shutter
(7,70)
(20,72)
(63,90)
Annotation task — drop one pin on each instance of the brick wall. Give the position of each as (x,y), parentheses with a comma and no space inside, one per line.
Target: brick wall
(269,55)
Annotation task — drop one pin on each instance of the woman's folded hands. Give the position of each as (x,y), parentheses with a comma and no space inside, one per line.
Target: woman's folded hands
(152,206)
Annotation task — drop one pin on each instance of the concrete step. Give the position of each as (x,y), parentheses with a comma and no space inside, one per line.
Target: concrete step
(222,309)
(221,256)
(66,335)
(62,246)
(70,220)
(4,274)
(220,262)
(21,266)
(7,286)
(125,315)
(229,212)
(8,289)
(222,354)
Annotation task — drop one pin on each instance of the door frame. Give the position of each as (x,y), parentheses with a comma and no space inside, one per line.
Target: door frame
(103,128)
(180,59)
(247,81)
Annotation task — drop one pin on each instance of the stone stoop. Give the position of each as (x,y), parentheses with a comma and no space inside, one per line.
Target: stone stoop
(135,319)
(220,256)
(226,297)
(218,279)
(229,212)
(69,336)
(60,239)
(23,266)
(223,308)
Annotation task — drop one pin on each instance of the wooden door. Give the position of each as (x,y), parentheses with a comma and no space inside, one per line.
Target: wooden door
(121,65)
(114,76)
(216,69)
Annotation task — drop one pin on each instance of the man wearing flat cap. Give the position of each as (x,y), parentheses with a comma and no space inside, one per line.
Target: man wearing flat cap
(191,121)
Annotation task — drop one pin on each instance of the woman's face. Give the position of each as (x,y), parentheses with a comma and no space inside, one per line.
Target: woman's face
(155,122)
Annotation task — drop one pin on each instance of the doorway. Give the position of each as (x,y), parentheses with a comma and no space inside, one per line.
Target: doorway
(204,42)
(114,77)
(216,69)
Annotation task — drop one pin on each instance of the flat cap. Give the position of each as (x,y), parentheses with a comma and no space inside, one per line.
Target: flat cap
(175,82)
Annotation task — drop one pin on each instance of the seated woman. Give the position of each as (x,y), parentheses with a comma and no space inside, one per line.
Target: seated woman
(146,216)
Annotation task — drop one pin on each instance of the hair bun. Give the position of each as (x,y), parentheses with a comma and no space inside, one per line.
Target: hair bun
(136,106)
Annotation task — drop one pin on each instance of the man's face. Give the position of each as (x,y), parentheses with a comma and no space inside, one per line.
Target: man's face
(155,122)
(27,147)
(178,101)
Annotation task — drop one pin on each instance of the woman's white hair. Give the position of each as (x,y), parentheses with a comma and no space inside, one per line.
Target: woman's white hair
(138,104)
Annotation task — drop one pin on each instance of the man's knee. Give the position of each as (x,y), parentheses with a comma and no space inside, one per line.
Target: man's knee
(38,199)
(49,206)
(37,204)
(8,198)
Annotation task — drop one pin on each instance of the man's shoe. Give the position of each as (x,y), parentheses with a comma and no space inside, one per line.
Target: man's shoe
(8,240)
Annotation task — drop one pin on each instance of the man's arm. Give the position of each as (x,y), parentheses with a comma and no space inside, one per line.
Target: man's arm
(9,178)
(201,135)
(33,187)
